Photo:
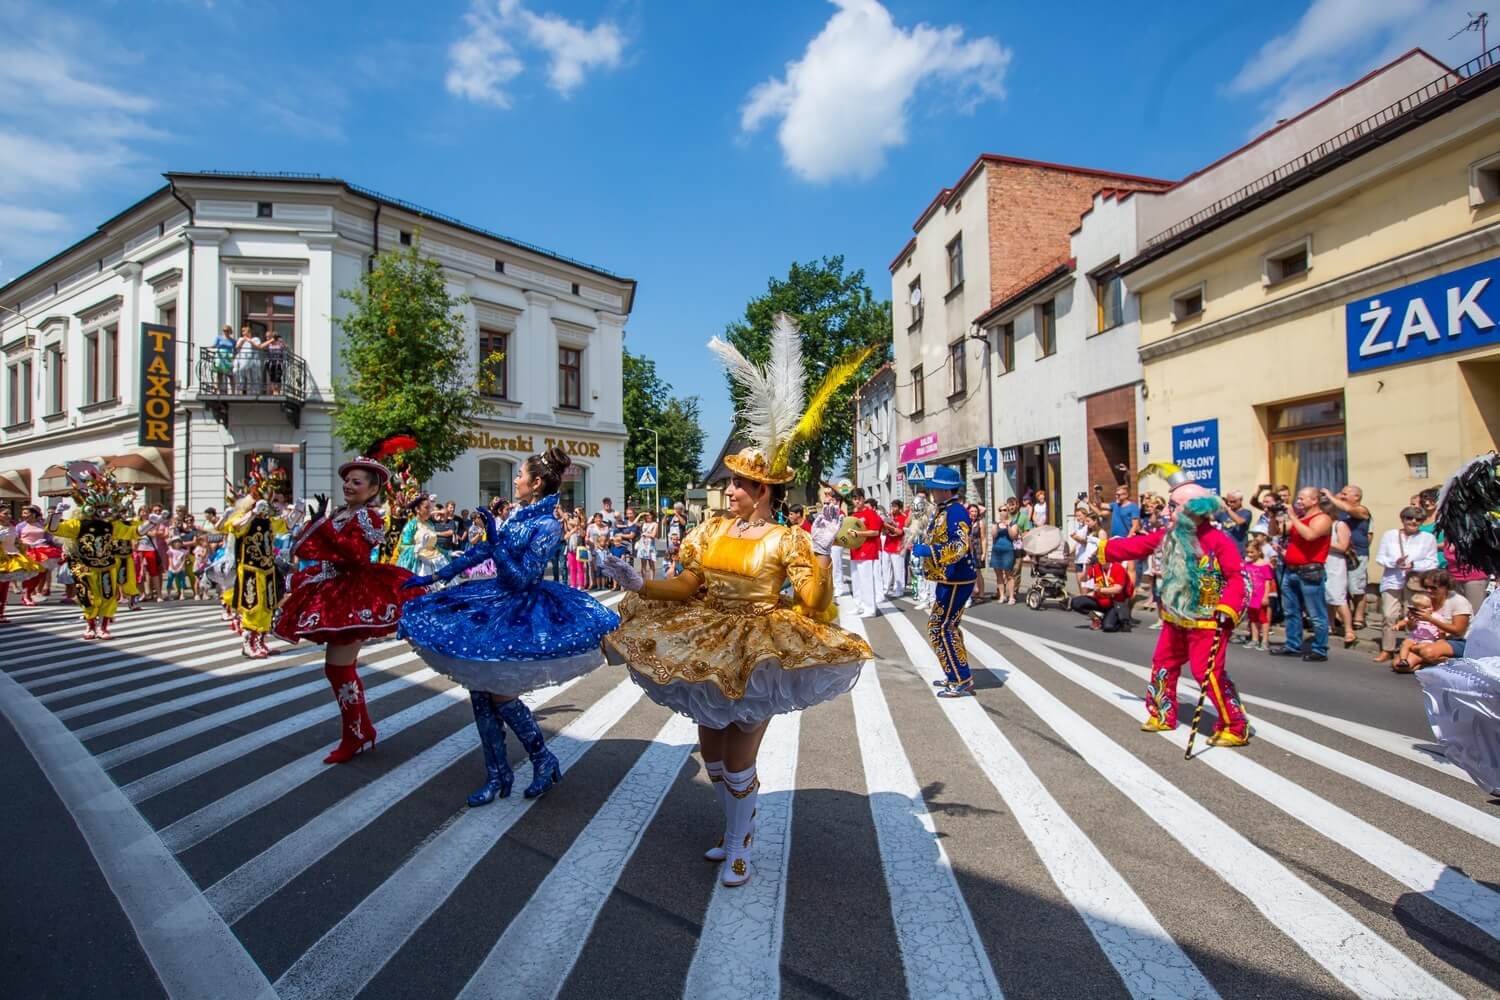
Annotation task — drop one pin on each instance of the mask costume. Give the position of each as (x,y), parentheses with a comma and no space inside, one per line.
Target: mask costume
(718,642)
(101,539)
(256,589)
(1203,596)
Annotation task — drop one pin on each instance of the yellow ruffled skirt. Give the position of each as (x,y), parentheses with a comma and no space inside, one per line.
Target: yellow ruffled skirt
(18,566)
(723,663)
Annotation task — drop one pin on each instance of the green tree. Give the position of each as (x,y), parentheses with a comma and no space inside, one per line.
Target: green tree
(406,362)
(649,405)
(837,313)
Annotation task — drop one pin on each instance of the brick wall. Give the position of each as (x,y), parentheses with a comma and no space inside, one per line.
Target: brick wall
(1032,212)
(1110,409)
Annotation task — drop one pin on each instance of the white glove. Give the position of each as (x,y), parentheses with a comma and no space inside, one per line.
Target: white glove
(621,572)
(825,528)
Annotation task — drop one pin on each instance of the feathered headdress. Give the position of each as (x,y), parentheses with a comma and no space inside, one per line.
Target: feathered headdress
(374,459)
(263,484)
(96,491)
(1180,485)
(776,415)
(1468,514)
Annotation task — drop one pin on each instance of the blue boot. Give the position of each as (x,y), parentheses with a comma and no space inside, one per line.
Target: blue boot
(498,775)
(545,770)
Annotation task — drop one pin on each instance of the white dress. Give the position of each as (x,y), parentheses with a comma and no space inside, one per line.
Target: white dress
(1463,700)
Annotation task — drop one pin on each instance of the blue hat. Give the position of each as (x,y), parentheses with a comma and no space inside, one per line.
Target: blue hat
(943,477)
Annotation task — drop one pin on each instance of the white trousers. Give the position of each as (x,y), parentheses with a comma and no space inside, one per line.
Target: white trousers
(894,565)
(866,595)
(837,554)
(883,572)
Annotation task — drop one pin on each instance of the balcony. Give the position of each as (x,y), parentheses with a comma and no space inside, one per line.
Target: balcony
(222,381)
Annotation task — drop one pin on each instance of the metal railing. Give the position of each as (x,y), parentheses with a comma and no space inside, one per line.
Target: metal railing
(221,375)
(1322,150)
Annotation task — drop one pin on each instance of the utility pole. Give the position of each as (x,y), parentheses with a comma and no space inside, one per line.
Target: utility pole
(1478,21)
(989,424)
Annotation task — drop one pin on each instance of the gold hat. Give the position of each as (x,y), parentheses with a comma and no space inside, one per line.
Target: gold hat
(751,463)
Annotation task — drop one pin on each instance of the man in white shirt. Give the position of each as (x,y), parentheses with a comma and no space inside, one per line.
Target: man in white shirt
(1403,551)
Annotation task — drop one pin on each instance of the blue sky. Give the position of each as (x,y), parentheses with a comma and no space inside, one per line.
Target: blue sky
(697,147)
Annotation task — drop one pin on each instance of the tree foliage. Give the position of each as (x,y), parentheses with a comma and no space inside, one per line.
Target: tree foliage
(649,405)
(837,313)
(406,363)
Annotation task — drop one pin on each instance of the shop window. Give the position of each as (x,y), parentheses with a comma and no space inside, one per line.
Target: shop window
(495,479)
(1187,305)
(270,309)
(570,378)
(1307,443)
(918,393)
(494,365)
(956,263)
(1046,329)
(1109,298)
(958,369)
(1005,346)
(101,365)
(1484,181)
(1286,262)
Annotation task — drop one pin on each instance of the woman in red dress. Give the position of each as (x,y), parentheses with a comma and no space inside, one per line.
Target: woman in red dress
(345,598)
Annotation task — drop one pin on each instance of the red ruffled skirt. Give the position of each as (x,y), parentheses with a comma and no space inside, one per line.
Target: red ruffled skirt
(343,605)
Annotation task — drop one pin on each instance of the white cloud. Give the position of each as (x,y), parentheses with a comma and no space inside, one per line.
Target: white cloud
(1335,42)
(483,63)
(846,101)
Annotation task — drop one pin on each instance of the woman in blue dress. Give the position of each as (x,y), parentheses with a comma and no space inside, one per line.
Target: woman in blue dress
(513,633)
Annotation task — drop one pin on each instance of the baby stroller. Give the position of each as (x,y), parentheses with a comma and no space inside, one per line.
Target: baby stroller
(1049,571)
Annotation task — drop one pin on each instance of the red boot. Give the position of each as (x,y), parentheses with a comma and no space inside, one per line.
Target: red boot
(104,628)
(359,731)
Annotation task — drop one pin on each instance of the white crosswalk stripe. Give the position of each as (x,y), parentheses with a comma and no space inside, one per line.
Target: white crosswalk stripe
(237,826)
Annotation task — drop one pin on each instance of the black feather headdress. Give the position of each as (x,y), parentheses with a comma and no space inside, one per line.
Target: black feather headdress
(1468,513)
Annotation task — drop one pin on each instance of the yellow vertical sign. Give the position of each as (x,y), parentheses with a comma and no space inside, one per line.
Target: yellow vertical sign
(158,385)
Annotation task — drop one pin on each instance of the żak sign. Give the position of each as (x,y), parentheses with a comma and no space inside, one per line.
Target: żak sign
(158,385)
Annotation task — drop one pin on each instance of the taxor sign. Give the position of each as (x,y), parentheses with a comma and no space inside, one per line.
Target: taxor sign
(525,444)
(158,386)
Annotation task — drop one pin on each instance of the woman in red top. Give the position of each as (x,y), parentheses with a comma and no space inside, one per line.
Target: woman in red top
(345,598)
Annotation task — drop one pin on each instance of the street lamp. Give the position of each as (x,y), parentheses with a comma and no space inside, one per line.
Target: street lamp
(656,499)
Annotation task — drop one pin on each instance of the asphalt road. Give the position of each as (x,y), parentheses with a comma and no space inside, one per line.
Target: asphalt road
(173,832)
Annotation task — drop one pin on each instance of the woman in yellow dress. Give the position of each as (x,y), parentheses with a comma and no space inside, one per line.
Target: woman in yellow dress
(15,563)
(719,642)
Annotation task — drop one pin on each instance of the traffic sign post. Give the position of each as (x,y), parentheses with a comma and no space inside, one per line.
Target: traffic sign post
(989,461)
(645,476)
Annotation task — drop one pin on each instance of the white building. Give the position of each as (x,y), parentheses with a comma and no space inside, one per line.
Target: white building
(276,251)
(874,427)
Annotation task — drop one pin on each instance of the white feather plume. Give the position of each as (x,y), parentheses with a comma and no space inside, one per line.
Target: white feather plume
(774,396)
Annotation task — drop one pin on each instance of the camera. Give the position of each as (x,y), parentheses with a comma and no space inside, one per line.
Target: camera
(1276,507)
(1082,495)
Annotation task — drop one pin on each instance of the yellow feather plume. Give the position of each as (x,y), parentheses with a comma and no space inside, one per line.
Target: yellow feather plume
(1162,469)
(812,417)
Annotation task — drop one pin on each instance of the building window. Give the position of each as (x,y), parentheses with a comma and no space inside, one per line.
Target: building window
(495,475)
(166,314)
(493,364)
(101,365)
(18,398)
(570,378)
(918,393)
(1109,293)
(1416,464)
(956,262)
(263,210)
(1484,181)
(56,380)
(1046,329)
(574,489)
(914,297)
(1286,262)
(1307,443)
(1005,346)
(1187,305)
(499,266)
(958,369)
(267,310)
(406,237)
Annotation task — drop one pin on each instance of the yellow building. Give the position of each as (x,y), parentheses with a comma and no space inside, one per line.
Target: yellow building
(1336,315)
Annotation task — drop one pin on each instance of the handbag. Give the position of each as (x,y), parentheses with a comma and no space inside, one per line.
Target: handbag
(1413,585)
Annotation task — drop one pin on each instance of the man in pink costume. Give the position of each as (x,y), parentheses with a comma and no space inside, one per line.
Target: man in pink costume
(1202,596)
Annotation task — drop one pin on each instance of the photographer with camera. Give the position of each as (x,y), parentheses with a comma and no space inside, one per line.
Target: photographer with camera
(1308,537)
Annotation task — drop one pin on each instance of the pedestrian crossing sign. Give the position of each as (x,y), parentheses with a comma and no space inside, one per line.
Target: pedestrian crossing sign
(645,475)
(916,472)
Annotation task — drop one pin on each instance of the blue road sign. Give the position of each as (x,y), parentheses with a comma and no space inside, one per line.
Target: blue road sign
(916,472)
(989,460)
(645,475)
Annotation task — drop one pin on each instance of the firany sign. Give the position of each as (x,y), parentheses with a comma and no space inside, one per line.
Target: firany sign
(1452,312)
(158,386)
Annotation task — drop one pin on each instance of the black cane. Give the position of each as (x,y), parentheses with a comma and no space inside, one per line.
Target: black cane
(1213,658)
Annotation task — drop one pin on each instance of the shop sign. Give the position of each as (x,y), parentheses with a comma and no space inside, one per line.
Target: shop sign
(919,448)
(158,386)
(1451,312)
(1010,456)
(525,444)
(1195,449)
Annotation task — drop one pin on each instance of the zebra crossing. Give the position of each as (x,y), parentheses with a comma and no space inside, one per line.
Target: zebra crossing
(1029,841)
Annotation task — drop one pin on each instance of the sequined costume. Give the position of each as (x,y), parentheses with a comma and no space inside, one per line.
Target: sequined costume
(345,596)
(741,652)
(1189,625)
(97,566)
(257,587)
(418,552)
(948,564)
(514,632)
(15,564)
(508,634)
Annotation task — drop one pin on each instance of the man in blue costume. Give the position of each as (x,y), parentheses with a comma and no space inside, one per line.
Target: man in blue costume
(946,561)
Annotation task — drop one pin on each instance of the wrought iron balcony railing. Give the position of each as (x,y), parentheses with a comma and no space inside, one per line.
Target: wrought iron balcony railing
(260,377)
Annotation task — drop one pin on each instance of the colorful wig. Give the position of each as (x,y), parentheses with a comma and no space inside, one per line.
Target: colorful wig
(1182,558)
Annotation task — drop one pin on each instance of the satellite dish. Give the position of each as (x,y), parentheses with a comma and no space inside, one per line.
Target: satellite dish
(916,295)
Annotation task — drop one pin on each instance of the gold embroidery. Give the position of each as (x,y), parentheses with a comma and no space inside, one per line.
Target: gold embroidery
(738,867)
(747,840)
(748,789)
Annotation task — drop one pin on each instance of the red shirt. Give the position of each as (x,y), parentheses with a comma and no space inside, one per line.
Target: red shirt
(870,548)
(1108,575)
(893,542)
(1302,551)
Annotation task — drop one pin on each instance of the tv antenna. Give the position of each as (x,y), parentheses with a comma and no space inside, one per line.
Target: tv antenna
(1478,21)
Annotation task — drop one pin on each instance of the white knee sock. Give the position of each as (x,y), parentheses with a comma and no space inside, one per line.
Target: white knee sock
(742,789)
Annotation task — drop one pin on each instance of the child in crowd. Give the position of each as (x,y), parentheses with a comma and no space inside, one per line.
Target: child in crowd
(176,587)
(1262,585)
(200,570)
(1417,630)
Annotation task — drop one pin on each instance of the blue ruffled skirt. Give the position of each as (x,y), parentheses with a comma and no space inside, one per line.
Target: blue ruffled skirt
(508,642)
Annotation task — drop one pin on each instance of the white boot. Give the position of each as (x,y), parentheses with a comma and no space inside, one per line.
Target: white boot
(715,769)
(741,788)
